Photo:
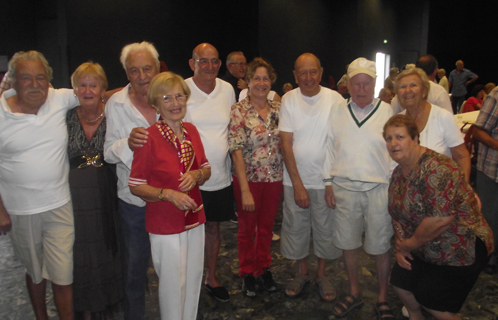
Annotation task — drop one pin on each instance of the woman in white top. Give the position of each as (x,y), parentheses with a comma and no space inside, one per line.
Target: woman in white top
(437,127)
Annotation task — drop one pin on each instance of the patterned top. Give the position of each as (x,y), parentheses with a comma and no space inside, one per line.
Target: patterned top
(487,158)
(436,188)
(78,145)
(258,139)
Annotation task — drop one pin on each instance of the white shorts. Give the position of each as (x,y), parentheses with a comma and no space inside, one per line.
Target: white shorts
(297,224)
(43,242)
(358,210)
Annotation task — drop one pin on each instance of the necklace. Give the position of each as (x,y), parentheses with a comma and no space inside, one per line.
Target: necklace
(89,121)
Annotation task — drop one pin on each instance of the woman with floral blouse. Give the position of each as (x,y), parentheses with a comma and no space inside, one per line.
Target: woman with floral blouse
(442,240)
(258,169)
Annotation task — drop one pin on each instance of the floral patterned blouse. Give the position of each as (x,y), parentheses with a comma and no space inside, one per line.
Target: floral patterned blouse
(436,187)
(258,139)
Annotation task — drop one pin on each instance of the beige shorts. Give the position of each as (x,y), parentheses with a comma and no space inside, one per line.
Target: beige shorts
(298,223)
(356,211)
(43,242)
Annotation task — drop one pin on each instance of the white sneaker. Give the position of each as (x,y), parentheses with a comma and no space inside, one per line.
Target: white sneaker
(405,313)
(275,237)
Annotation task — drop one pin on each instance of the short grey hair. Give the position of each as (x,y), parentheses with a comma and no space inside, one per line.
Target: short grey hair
(139,46)
(232,54)
(30,56)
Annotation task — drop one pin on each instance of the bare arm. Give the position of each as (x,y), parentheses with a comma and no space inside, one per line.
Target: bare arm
(152,194)
(5,223)
(138,137)
(462,158)
(484,137)
(240,171)
(277,97)
(471,80)
(300,194)
(109,93)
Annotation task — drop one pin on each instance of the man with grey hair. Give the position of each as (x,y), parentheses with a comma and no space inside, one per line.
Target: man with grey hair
(236,71)
(35,202)
(357,172)
(128,113)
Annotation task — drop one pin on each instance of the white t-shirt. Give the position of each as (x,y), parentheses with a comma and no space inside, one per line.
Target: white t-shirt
(441,131)
(437,96)
(307,118)
(243,94)
(122,116)
(210,113)
(34,166)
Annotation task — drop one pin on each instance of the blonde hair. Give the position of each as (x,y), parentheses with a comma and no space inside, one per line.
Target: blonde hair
(162,82)
(89,69)
(413,71)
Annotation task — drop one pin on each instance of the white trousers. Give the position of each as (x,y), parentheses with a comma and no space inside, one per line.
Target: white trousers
(179,261)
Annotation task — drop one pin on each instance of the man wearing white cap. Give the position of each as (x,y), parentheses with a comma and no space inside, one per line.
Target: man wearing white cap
(356,174)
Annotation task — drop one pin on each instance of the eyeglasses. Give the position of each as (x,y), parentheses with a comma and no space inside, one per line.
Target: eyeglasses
(205,61)
(168,99)
(240,64)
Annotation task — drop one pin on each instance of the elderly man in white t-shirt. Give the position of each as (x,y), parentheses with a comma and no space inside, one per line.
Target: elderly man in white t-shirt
(35,203)
(208,108)
(303,128)
(357,172)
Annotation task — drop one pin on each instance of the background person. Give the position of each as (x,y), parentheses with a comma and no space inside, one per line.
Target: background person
(97,258)
(258,171)
(166,173)
(442,240)
(474,102)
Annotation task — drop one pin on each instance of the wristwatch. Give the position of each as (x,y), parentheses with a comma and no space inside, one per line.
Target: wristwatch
(161,195)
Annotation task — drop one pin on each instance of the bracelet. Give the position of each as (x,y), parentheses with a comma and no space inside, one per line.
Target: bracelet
(201,178)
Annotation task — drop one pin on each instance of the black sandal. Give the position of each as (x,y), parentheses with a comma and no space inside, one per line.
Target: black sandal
(346,306)
(384,313)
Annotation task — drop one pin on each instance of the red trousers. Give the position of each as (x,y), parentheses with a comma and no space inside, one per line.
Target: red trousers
(256,228)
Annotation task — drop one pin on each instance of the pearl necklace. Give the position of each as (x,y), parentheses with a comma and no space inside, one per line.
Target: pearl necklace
(89,121)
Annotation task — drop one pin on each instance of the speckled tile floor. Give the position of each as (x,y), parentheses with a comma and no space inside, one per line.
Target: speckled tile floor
(481,304)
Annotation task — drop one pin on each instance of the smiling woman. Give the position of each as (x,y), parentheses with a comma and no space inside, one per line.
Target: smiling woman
(97,258)
(166,173)
(437,127)
(257,177)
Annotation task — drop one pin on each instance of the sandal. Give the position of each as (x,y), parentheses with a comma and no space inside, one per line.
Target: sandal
(383,313)
(297,285)
(219,293)
(346,305)
(326,288)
